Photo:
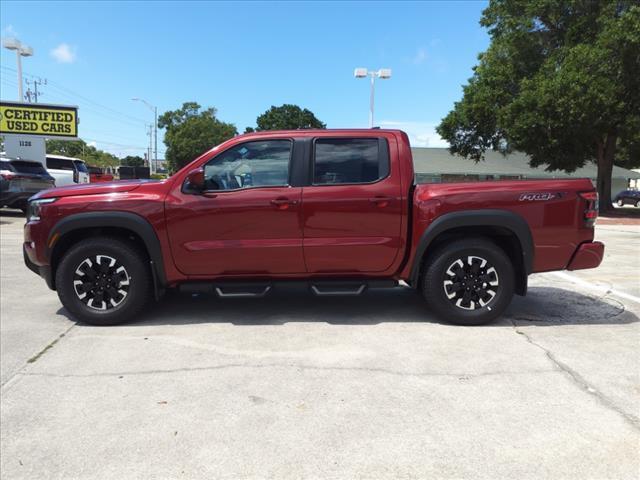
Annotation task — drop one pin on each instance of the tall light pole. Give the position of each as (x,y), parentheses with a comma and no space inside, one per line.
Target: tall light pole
(21,51)
(383,73)
(154,109)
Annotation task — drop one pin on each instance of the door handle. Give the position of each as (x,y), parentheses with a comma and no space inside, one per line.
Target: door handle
(381,201)
(283,203)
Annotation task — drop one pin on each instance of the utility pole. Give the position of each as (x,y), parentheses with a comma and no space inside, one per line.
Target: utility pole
(34,94)
(150,145)
(154,109)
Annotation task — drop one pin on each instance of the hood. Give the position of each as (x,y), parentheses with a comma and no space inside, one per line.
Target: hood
(92,189)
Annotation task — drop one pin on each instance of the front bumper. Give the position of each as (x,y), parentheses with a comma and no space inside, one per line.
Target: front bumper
(588,255)
(43,270)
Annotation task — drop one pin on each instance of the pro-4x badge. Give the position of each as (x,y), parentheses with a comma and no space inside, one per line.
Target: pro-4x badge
(538,197)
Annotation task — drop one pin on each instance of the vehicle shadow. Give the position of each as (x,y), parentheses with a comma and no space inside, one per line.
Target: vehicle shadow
(542,306)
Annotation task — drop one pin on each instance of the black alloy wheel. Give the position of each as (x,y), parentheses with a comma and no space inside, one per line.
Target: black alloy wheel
(471,282)
(101,283)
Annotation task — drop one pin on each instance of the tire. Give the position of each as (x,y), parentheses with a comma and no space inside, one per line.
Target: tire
(620,203)
(119,286)
(638,204)
(490,279)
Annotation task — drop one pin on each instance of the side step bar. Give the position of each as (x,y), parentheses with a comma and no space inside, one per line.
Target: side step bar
(321,288)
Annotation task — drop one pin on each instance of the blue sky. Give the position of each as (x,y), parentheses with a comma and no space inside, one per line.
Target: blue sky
(242,58)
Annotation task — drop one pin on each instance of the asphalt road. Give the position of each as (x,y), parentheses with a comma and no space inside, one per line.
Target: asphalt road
(294,386)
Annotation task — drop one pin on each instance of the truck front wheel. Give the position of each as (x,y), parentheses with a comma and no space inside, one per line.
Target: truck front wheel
(468,282)
(104,281)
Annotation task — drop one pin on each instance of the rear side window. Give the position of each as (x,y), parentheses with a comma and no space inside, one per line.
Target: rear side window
(28,167)
(60,164)
(81,166)
(349,160)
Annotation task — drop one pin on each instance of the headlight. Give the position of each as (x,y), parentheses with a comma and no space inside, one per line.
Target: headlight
(35,206)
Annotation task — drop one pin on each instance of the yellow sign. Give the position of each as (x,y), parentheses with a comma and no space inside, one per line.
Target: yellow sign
(38,119)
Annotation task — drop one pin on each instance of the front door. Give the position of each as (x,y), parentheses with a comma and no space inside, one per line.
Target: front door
(353,207)
(247,222)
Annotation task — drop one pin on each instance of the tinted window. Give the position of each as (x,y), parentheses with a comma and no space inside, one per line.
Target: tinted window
(59,163)
(28,167)
(252,164)
(348,160)
(95,170)
(6,165)
(81,166)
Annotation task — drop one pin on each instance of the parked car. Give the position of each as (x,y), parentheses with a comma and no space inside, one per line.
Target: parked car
(628,197)
(337,210)
(97,174)
(21,179)
(67,170)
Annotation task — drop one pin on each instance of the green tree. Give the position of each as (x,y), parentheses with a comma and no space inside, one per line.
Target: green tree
(286,117)
(191,132)
(560,81)
(132,161)
(80,149)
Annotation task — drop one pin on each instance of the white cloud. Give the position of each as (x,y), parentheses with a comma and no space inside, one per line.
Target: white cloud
(9,32)
(64,53)
(420,56)
(421,134)
(93,144)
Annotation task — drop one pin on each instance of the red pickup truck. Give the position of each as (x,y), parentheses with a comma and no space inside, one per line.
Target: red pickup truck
(336,209)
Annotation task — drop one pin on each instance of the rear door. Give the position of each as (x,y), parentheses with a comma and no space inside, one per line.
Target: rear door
(353,207)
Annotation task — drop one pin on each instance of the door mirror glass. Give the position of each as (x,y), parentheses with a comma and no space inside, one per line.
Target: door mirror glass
(194,183)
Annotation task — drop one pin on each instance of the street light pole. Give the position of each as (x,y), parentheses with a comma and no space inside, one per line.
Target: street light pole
(383,73)
(154,109)
(21,51)
(155,136)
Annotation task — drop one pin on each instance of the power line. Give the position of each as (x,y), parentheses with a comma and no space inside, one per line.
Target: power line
(66,91)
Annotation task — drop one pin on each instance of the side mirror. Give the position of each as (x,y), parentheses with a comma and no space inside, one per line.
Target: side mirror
(194,183)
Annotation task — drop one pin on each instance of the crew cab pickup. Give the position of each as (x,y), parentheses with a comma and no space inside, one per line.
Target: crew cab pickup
(337,210)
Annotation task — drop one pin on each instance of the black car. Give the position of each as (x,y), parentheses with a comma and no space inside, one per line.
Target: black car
(628,197)
(21,179)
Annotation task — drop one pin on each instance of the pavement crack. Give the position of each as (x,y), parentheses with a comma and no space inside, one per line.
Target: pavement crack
(37,356)
(461,376)
(579,380)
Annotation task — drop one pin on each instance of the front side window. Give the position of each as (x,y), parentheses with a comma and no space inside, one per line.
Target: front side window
(263,163)
(81,166)
(348,160)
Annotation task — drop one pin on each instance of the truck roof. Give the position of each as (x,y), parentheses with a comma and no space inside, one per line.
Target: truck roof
(316,131)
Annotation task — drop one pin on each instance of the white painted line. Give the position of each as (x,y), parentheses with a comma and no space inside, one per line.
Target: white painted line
(589,285)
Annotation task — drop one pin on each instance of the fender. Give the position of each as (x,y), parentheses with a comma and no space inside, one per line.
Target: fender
(476,218)
(126,220)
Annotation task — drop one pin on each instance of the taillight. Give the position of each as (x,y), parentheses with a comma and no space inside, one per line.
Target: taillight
(591,211)
(7,174)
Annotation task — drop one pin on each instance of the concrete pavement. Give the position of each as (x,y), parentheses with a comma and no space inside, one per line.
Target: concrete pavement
(295,386)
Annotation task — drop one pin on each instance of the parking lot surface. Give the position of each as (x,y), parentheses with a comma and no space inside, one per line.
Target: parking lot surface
(295,386)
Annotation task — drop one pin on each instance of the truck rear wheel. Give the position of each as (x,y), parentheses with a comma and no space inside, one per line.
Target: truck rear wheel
(468,282)
(103,281)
